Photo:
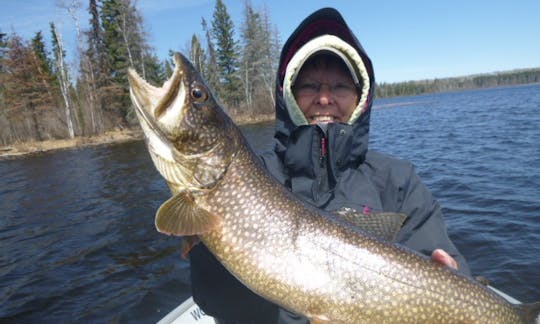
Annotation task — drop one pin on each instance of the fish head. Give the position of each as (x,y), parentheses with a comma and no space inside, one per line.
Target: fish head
(190,138)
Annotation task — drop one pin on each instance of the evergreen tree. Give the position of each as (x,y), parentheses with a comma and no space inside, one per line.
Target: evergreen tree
(5,134)
(115,52)
(3,51)
(271,52)
(123,46)
(95,52)
(124,40)
(196,54)
(251,54)
(3,46)
(227,55)
(3,72)
(156,72)
(211,70)
(92,75)
(40,52)
(95,40)
(153,69)
(169,64)
(259,60)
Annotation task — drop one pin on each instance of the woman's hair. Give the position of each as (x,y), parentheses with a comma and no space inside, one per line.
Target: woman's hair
(326,59)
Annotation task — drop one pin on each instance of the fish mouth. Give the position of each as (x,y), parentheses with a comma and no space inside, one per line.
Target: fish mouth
(156,100)
(146,119)
(159,109)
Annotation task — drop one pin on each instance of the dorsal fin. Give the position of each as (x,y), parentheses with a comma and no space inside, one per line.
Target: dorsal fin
(382,225)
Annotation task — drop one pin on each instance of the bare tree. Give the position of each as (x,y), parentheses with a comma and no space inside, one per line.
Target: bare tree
(63,77)
(86,64)
(123,27)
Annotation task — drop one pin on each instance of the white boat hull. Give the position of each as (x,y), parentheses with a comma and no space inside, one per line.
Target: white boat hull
(190,313)
(187,313)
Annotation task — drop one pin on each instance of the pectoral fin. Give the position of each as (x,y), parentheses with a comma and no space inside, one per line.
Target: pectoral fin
(382,225)
(180,215)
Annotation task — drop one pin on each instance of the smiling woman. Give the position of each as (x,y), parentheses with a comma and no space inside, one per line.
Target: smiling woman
(325,90)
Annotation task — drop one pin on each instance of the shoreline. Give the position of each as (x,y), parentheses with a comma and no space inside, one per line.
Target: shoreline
(24,149)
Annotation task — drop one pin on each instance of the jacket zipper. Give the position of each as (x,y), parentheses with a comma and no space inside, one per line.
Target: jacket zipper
(323,151)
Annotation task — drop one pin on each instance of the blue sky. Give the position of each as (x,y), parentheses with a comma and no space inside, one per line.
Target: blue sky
(406,40)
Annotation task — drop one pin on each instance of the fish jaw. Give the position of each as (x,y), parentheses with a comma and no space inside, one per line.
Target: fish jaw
(159,110)
(187,133)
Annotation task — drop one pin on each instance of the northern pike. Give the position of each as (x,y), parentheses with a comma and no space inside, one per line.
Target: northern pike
(306,260)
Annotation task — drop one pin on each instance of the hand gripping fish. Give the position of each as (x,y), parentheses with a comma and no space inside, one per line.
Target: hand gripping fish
(307,261)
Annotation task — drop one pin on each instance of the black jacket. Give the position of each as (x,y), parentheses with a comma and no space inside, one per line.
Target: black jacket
(330,169)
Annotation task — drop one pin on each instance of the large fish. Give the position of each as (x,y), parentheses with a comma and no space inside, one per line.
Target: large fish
(308,261)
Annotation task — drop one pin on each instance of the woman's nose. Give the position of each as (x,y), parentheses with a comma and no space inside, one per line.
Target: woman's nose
(324,95)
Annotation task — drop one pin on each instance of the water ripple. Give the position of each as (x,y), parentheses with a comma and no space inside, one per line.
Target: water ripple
(77,233)
(478,152)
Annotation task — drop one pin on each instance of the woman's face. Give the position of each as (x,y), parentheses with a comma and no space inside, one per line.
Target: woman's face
(325,91)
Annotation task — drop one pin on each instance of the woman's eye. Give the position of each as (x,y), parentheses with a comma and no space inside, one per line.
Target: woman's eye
(306,89)
(309,86)
(341,86)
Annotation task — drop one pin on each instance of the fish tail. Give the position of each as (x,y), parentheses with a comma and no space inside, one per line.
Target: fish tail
(530,312)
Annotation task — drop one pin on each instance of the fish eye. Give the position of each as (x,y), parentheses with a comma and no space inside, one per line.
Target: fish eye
(199,94)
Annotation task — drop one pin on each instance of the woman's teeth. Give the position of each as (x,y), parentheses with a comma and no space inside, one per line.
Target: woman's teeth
(322,119)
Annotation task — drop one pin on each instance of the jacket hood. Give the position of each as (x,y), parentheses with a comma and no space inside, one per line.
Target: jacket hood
(324,30)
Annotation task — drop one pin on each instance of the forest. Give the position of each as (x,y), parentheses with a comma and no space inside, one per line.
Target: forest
(488,80)
(42,97)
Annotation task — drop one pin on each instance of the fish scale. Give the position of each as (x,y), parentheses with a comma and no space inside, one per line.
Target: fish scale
(306,260)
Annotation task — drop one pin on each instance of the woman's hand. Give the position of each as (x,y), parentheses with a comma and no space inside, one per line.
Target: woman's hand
(444,258)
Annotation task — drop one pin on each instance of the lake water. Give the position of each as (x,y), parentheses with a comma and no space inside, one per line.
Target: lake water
(77,236)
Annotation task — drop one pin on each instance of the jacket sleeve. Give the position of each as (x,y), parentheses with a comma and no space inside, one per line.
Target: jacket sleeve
(424,229)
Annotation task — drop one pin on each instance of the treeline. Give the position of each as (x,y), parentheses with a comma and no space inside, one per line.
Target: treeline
(41,99)
(489,80)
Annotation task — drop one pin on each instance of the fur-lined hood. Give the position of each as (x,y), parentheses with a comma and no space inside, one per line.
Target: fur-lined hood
(324,30)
